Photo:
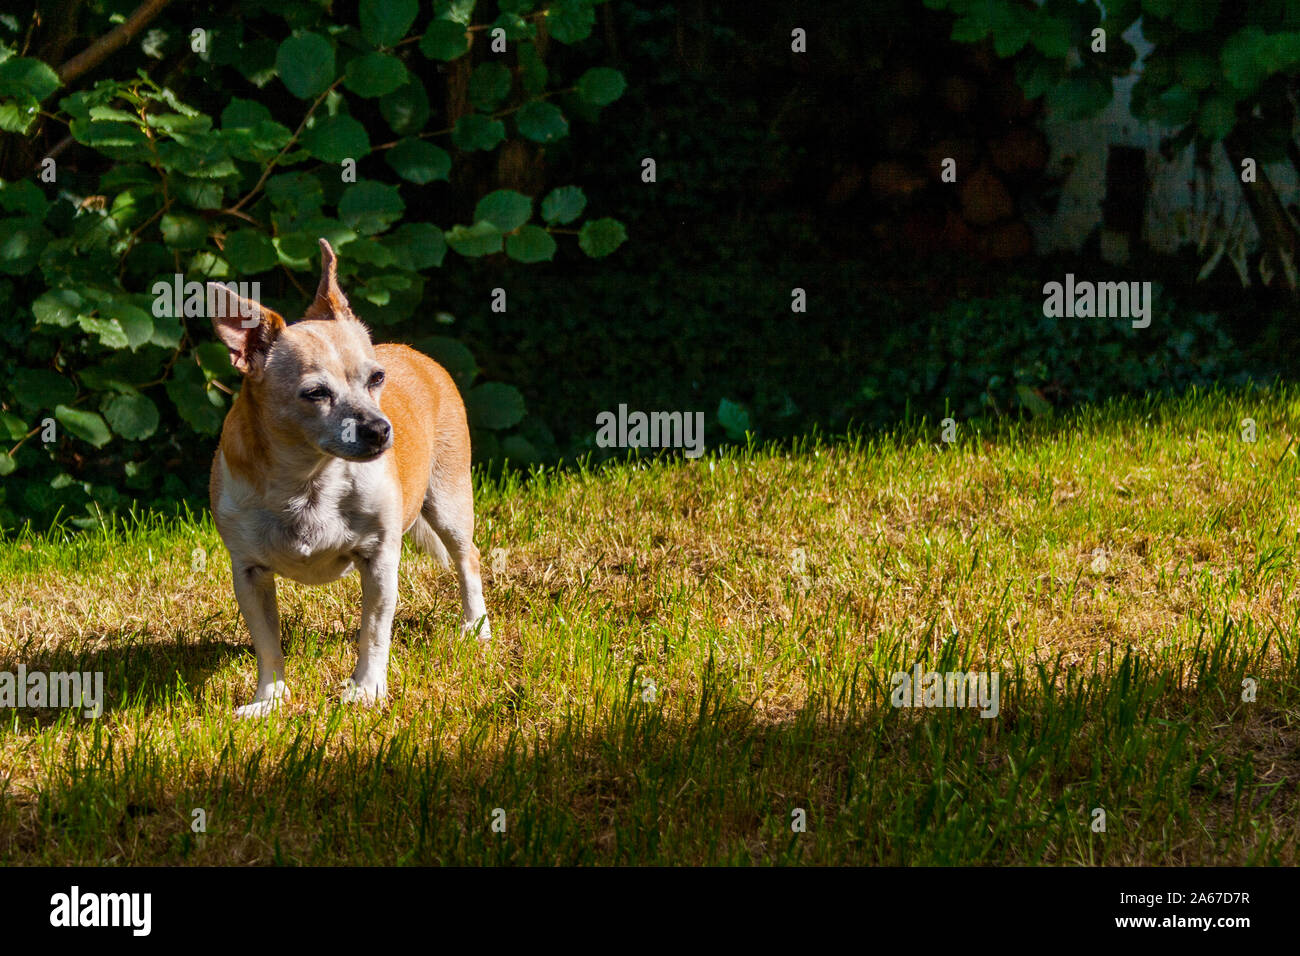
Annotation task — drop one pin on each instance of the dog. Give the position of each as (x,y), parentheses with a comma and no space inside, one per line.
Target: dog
(333,449)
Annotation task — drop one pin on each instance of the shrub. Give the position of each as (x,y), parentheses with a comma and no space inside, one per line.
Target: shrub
(221,149)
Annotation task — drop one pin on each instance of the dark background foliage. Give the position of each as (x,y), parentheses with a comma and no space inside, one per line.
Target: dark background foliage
(775,170)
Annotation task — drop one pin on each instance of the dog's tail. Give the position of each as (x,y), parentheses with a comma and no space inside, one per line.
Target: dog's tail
(427,540)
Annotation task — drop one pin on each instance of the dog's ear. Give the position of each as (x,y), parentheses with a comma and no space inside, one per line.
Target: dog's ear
(330,302)
(246,327)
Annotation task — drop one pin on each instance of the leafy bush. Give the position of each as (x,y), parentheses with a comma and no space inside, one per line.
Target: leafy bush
(266,132)
(1002,355)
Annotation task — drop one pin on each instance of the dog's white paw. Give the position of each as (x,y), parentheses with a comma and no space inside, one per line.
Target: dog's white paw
(368,693)
(479,628)
(266,701)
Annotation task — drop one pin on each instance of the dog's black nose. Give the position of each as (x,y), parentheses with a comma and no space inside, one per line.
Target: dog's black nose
(377,432)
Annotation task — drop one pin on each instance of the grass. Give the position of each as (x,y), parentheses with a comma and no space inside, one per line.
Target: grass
(671,681)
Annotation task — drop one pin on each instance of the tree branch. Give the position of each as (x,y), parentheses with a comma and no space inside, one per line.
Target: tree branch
(112,41)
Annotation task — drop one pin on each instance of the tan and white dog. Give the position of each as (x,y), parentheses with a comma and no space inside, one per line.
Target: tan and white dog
(333,450)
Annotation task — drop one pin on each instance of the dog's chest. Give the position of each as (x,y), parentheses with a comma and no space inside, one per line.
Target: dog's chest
(312,538)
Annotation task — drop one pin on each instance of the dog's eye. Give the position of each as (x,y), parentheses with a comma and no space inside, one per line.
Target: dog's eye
(318,394)
(377,378)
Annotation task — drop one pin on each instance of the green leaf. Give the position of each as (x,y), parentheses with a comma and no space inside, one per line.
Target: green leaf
(15,427)
(532,71)
(370,207)
(25,76)
(570,20)
(188,389)
(459,10)
(119,369)
(1032,400)
(209,161)
(302,246)
(480,239)
(1079,95)
(249,251)
(419,162)
(563,204)
(105,136)
(515,27)
(1245,59)
(379,289)
(23,197)
(1217,117)
(406,109)
(489,84)
(187,129)
(1175,106)
(21,243)
(505,209)
(373,253)
(475,131)
(375,74)
(136,324)
(184,231)
(166,331)
(300,192)
(1284,52)
(57,307)
(208,265)
(541,122)
(109,113)
(18,115)
(970,28)
(418,245)
(494,405)
(444,40)
(1196,70)
(337,138)
(451,354)
(1012,26)
(257,144)
(7,464)
(128,174)
(1050,35)
(384,22)
(88,426)
(600,237)
(518,449)
(133,416)
(108,331)
(214,359)
(601,86)
(1193,16)
(733,417)
(38,388)
(531,244)
(244,114)
(306,64)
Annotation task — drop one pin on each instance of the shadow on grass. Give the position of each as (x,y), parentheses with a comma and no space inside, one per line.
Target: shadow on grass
(1131,762)
(138,672)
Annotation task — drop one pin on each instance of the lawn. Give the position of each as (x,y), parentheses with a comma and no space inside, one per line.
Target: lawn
(689,653)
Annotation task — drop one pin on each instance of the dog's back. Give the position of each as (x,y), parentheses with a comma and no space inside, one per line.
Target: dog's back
(429,428)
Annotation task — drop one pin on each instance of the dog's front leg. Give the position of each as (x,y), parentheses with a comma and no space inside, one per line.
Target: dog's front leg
(369,683)
(255,592)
